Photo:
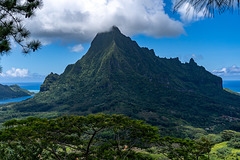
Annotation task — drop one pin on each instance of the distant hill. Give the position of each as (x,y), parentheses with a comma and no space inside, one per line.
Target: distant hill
(118,76)
(230,91)
(13,91)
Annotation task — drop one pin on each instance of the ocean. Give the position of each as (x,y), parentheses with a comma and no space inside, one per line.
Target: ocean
(35,87)
(2,101)
(233,85)
(32,87)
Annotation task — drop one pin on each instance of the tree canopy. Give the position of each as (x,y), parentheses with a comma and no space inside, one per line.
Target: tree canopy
(11,24)
(88,137)
(209,7)
(94,136)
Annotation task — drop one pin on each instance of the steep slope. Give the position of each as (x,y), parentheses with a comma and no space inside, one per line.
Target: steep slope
(13,91)
(118,76)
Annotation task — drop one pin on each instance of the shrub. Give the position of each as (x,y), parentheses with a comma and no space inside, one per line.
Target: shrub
(223,152)
(234,142)
(228,134)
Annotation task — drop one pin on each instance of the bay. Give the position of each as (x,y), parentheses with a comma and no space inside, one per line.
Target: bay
(233,85)
(2,101)
(35,87)
(31,86)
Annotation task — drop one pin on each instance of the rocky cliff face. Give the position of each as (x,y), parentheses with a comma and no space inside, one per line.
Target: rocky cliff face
(118,76)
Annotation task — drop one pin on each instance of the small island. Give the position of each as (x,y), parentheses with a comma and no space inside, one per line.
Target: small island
(13,91)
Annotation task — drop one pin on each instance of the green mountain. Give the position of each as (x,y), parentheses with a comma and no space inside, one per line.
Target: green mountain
(13,91)
(118,76)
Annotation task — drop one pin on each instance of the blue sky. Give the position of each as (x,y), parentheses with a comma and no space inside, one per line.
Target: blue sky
(67,28)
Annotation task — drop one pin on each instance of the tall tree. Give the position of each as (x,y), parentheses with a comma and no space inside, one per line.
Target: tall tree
(76,137)
(11,24)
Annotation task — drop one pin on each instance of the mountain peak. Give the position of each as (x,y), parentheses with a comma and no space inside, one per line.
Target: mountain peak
(115,29)
(192,62)
(117,76)
(104,39)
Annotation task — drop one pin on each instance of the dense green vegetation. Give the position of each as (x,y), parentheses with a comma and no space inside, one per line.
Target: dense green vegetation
(105,136)
(225,145)
(13,91)
(116,76)
(93,137)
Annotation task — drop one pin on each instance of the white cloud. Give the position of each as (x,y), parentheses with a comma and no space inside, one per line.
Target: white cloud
(13,43)
(77,48)
(15,72)
(20,75)
(80,20)
(227,71)
(188,13)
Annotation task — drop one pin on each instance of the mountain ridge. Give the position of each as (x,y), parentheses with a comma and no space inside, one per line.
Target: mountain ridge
(118,76)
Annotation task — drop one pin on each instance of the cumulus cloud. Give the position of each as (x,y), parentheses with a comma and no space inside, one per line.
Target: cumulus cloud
(20,75)
(13,43)
(188,13)
(227,71)
(15,72)
(77,48)
(81,20)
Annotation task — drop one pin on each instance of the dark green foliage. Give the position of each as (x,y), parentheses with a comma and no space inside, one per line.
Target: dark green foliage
(232,137)
(13,91)
(208,7)
(235,126)
(116,76)
(234,142)
(48,81)
(214,138)
(93,137)
(223,152)
(228,135)
(12,12)
(175,148)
